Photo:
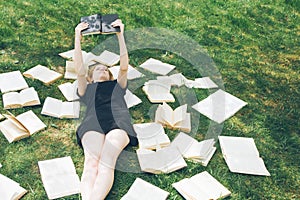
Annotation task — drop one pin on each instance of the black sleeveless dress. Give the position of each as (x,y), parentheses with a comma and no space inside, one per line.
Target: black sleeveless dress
(106,110)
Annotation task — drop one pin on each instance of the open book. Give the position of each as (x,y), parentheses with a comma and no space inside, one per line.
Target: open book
(43,74)
(69,90)
(132,73)
(12,81)
(27,97)
(242,156)
(157,66)
(174,119)
(21,126)
(158,91)
(174,80)
(193,150)
(165,160)
(131,99)
(100,24)
(59,109)
(144,190)
(219,106)
(10,190)
(59,177)
(201,186)
(70,54)
(151,135)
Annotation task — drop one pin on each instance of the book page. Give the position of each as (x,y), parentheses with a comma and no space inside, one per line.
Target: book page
(131,99)
(70,110)
(141,189)
(10,189)
(107,58)
(247,165)
(70,72)
(132,73)
(43,74)
(11,100)
(179,114)
(165,160)
(59,177)
(219,106)
(239,146)
(184,125)
(167,113)
(52,107)
(12,81)
(178,79)
(204,83)
(151,135)
(156,66)
(11,131)
(29,97)
(32,123)
(69,90)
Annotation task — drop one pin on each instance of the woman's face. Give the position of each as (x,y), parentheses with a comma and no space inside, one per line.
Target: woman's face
(100,73)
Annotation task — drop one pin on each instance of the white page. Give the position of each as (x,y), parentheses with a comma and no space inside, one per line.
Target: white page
(29,95)
(12,81)
(247,165)
(70,54)
(70,72)
(166,113)
(70,109)
(9,188)
(31,122)
(59,177)
(239,146)
(219,106)
(189,190)
(52,107)
(151,135)
(11,98)
(141,189)
(11,131)
(179,114)
(132,73)
(166,160)
(131,99)
(178,79)
(156,66)
(69,90)
(107,58)
(204,83)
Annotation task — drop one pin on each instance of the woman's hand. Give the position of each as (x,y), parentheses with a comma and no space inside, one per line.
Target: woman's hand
(119,23)
(80,27)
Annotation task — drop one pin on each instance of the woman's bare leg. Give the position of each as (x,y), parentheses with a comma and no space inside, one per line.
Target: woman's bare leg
(115,141)
(92,143)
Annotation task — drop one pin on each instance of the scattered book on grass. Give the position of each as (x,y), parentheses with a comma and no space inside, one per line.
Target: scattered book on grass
(59,109)
(144,190)
(26,97)
(158,92)
(107,58)
(157,66)
(242,156)
(173,119)
(70,72)
(193,150)
(177,79)
(10,189)
(70,54)
(12,81)
(69,90)
(132,73)
(131,99)
(201,186)
(219,106)
(43,74)
(18,127)
(164,160)
(203,83)
(100,24)
(151,135)
(59,177)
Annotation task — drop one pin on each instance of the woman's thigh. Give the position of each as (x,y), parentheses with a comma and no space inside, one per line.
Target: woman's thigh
(92,143)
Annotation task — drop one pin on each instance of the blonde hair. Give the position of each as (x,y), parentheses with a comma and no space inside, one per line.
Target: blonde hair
(91,69)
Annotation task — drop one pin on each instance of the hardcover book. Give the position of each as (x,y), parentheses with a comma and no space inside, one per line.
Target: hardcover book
(100,24)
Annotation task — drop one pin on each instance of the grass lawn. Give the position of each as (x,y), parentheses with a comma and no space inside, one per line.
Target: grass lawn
(255,46)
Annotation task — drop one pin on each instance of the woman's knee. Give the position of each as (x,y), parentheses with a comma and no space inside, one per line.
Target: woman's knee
(118,138)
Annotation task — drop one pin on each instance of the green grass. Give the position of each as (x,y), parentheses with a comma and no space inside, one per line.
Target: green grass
(254,44)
